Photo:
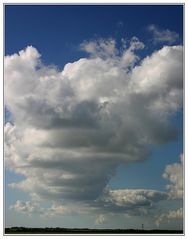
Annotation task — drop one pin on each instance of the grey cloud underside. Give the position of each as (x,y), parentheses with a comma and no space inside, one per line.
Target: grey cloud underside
(40,114)
(72,128)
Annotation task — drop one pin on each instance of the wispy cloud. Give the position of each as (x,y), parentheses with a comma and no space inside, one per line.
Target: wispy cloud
(163,35)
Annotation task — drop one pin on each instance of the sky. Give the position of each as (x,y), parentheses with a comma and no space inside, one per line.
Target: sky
(93,131)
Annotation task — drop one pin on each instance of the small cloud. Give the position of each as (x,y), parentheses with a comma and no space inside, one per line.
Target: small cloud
(131,201)
(170,215)
(100,219)
(120,24)
(162,35)
(31,207)
(27,207)
(103,48)
(174,173)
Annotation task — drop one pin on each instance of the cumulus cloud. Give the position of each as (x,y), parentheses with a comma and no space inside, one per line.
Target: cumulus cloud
(130,201)
(27,207)
(174,174)
(30,207)
(163,35)
(170,215)
(72,128)
(124,201)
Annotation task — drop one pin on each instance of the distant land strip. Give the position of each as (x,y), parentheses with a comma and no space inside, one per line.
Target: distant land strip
(59,230)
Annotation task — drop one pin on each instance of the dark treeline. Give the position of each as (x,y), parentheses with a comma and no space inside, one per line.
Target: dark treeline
(59,230)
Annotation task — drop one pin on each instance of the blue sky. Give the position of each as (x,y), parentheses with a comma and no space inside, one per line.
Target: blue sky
(57,95)
(58,30)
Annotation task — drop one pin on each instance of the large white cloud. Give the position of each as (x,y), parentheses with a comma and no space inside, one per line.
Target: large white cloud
(73,127)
